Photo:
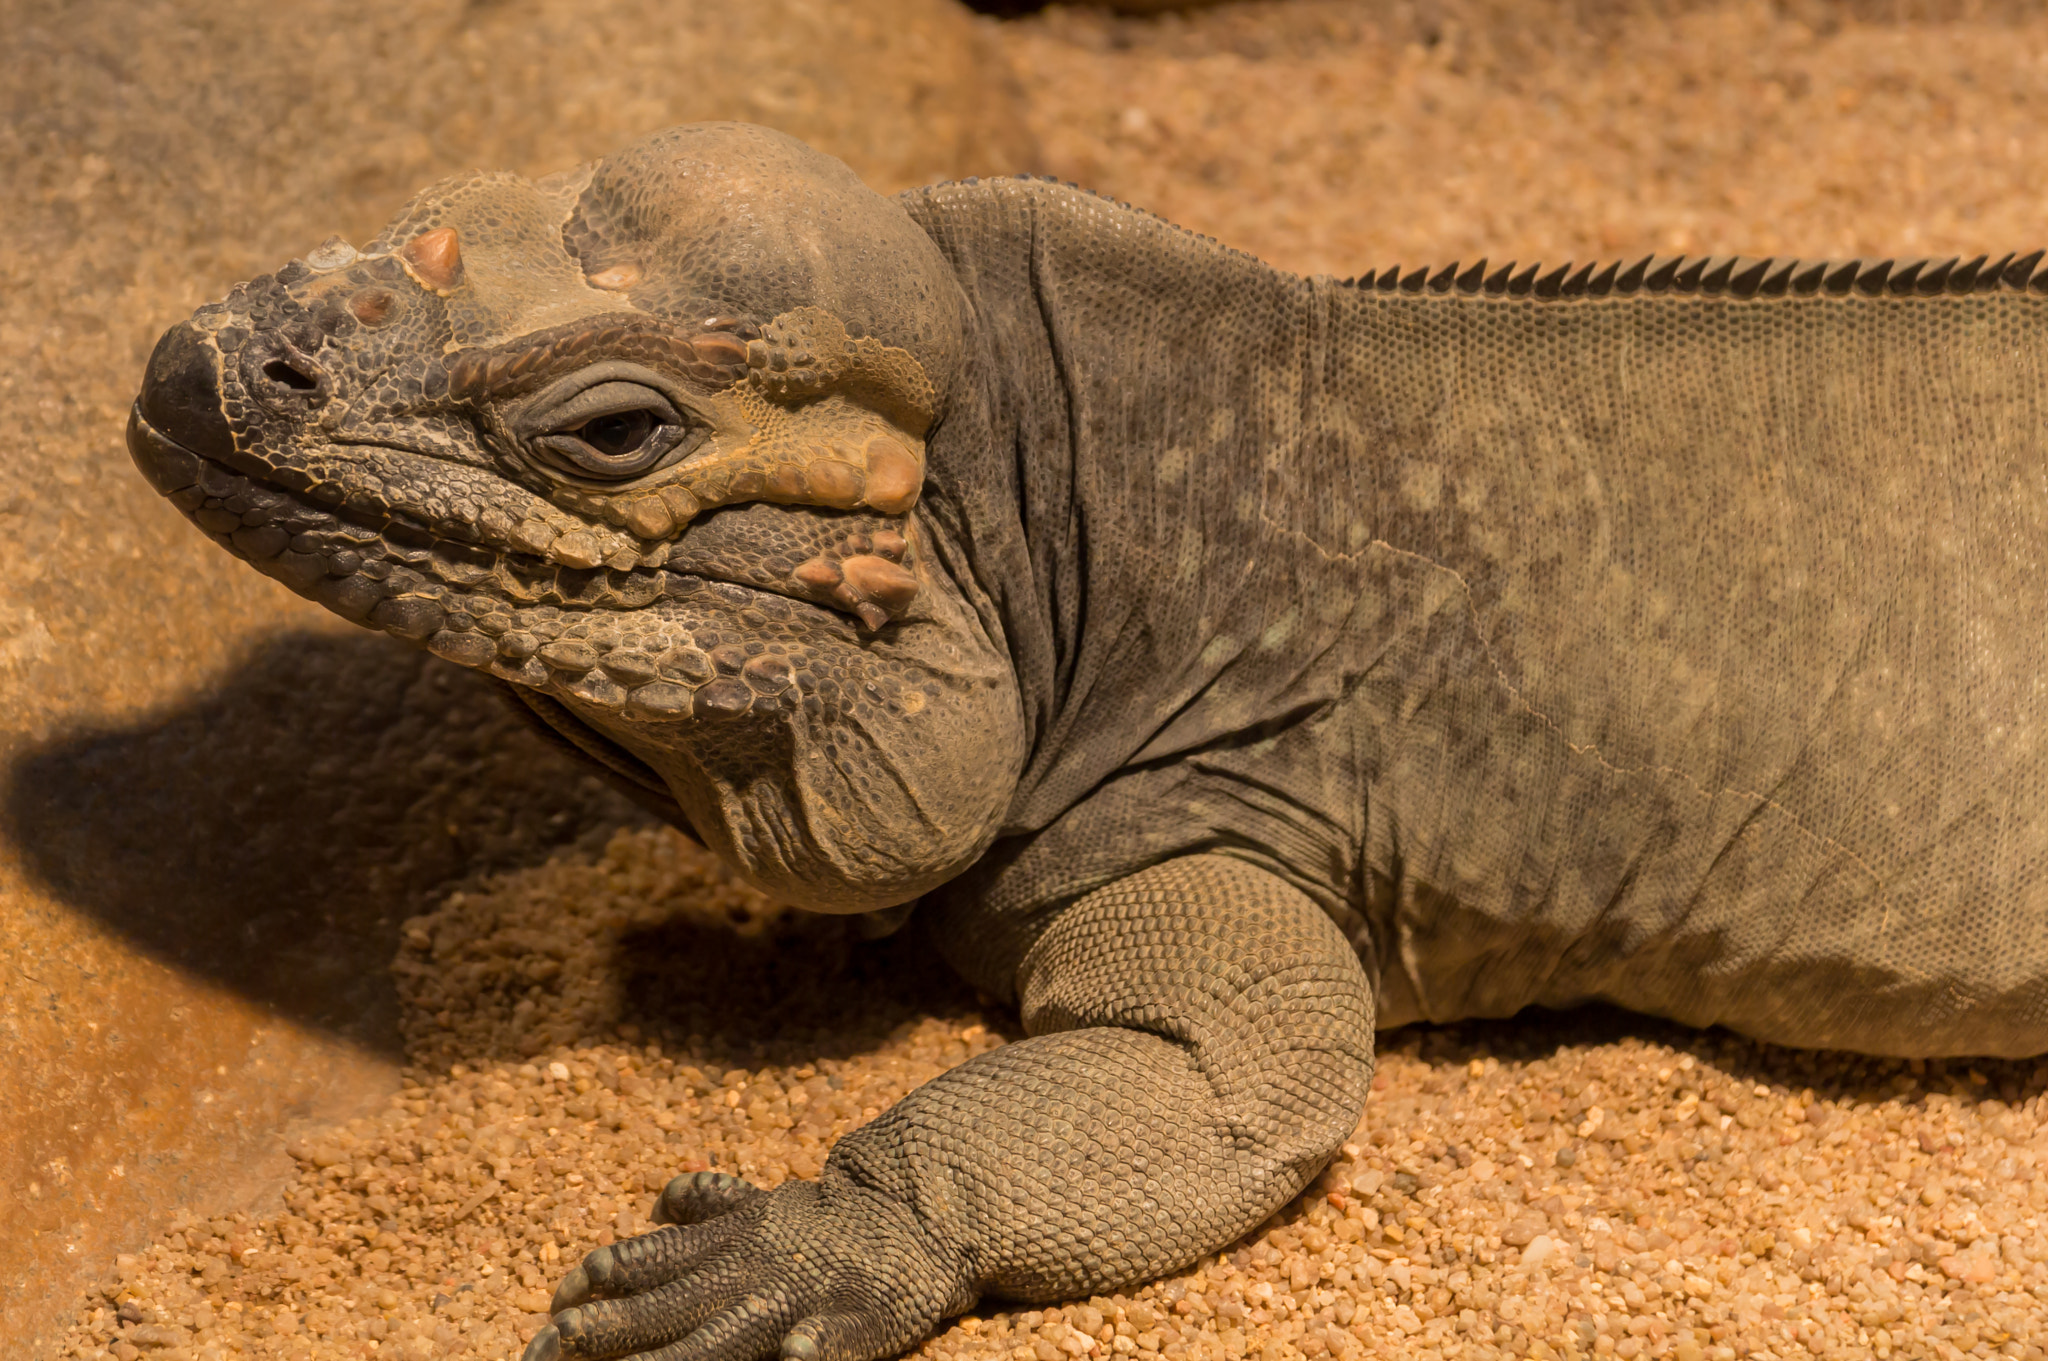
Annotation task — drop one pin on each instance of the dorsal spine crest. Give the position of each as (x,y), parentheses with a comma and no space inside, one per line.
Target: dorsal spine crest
(1734,276)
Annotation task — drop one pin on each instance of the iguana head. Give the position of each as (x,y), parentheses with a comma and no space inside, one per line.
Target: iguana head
(646,439)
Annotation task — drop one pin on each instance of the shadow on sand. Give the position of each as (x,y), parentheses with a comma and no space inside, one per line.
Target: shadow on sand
(272,833)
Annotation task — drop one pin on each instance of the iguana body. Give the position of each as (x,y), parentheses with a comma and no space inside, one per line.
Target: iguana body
(1219,654)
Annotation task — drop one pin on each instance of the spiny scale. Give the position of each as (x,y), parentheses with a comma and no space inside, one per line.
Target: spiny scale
(1712,276)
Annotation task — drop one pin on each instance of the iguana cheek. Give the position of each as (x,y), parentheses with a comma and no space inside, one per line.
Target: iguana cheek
(856,564)
(874,587)
(872,468)
(837,474)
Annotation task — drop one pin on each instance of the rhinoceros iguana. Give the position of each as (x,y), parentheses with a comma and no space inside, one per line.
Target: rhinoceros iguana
(1225,659)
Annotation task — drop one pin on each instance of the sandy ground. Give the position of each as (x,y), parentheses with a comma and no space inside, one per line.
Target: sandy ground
(1583,1185)
(1590,1185)
(1337,137)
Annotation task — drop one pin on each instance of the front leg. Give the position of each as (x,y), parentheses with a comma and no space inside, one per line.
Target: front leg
(1200,1043)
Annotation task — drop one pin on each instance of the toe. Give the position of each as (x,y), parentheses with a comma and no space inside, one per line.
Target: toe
(840,1335)
(635,1265)
(741,1333)
(665,1315)
(574,1289)
(697,1196)
(546,1346)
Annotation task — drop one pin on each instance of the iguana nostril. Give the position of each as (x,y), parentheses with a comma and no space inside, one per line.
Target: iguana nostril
(287,374)
(180,396)
(278,372)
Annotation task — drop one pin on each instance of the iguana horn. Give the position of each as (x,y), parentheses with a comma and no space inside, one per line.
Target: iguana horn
(435,259)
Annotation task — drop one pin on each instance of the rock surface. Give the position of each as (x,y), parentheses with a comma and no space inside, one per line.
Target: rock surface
(1339,137)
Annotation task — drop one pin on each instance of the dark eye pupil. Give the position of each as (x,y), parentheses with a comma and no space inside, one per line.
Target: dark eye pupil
(618,435)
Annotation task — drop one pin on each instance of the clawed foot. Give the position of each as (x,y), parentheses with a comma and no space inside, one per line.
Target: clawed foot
(812,1271)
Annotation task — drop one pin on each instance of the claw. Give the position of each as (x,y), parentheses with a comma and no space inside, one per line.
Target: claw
(674,1199)
(574,1289)
(546,1346)
(697,1196)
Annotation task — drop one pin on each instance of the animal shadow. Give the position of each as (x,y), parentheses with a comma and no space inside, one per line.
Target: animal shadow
(814,989)
(1854,1079)
(272,833)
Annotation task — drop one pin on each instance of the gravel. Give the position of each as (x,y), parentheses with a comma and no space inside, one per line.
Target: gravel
(1588,1185)
(539,1119)
(1593,1184)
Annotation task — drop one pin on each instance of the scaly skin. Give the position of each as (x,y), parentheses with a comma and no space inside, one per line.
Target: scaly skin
(1219,657)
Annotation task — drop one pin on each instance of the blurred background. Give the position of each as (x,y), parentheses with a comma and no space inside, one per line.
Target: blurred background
(217,804)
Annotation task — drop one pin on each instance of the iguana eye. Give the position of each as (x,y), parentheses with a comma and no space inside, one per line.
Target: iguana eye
(611,432)
(619,436)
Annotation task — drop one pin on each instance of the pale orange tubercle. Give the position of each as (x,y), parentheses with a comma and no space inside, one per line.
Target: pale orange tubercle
(615,279)
(435,258)
(885,473)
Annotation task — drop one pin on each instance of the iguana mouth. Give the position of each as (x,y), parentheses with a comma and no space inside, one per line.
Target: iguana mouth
(263,518)
(622,639)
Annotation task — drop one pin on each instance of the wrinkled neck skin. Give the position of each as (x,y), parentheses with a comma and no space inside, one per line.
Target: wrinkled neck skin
(1140,403)
(860,800)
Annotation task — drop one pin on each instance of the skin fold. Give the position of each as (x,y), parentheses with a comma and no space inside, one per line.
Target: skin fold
(1222,662)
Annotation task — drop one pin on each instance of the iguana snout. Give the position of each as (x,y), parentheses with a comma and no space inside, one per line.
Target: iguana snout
(659,470)
(178,417)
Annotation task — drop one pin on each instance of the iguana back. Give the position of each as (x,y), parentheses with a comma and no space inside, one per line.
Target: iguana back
(1671,635)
